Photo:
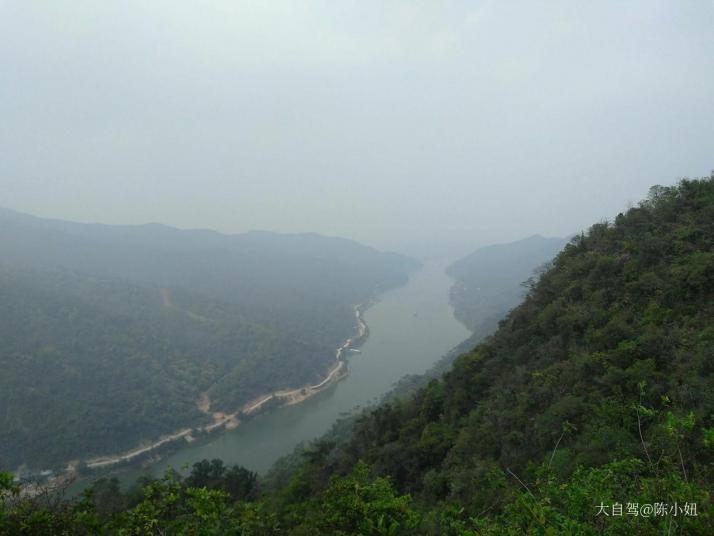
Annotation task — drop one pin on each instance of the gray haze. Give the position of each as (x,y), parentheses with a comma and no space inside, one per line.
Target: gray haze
(411,125)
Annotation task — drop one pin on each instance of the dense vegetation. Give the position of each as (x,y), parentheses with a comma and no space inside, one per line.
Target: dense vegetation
(597,390)
(92,366)
(110,335)
(600,386)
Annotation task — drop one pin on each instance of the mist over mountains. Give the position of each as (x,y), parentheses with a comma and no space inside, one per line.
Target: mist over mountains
(111,334)
(488,281)
(453,365)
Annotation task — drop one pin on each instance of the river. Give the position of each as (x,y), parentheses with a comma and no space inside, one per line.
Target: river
(410,328)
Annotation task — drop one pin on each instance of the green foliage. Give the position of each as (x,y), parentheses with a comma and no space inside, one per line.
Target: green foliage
(169,507)
(236,481)
(6,484)
(597,391)
(616,499)
(356,504)
(608,358)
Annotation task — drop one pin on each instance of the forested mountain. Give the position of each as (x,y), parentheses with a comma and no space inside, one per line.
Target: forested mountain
(599,387)
(110,335)
(300,283)
(595,396)
(484,289)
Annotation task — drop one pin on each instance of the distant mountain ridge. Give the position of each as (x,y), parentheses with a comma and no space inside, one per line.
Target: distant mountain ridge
(153,232)
(272,275)
(488,281)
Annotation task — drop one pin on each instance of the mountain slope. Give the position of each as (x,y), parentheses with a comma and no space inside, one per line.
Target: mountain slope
(589,411)
(301,283)
(484,289)
(92,366)
(110,335)
(608,359)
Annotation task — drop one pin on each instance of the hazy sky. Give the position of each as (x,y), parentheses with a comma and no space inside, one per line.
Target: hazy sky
(402,124)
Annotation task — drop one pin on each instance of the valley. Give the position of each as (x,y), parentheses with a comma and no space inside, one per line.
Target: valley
(399,344)
(116,338)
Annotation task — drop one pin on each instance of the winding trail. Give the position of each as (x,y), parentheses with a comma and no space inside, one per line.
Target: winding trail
(98,463)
